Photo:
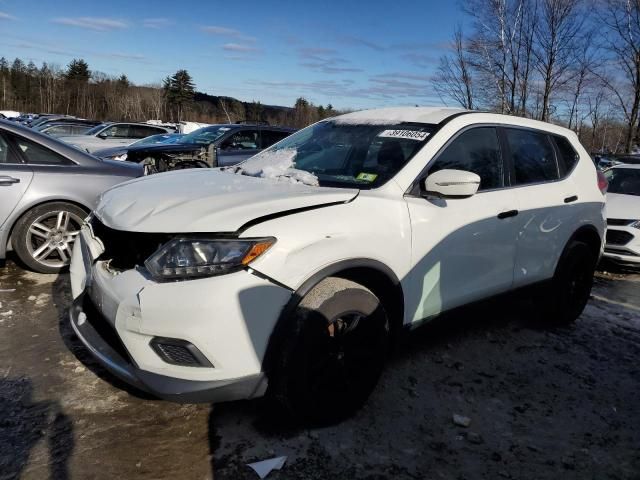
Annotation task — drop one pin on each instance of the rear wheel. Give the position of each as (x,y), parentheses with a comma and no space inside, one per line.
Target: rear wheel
(334,352)
(43,238)
(571,285)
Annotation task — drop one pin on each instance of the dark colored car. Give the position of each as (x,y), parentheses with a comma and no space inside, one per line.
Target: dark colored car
(216,145)
(47,188)
(119,153)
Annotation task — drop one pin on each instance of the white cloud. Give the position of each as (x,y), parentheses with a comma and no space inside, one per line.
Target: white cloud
(6,16)
(156,22)
(227,32)
(237,47)
(92,23)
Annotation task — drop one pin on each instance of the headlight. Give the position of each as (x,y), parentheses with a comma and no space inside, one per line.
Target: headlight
(183,258)
(119,157)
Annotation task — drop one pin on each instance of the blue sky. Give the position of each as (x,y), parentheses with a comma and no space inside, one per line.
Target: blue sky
(353,54)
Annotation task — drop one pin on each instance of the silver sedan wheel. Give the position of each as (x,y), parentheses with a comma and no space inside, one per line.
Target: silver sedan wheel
(50,238)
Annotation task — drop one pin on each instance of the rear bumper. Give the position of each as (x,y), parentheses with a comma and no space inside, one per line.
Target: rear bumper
(169,388)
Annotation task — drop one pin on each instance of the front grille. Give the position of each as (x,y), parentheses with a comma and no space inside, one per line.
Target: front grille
(628,253)
(125,250)
(619,222)
(104,328)
(618,237)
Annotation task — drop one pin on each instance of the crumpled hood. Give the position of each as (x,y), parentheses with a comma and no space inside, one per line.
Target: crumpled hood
(623,206)
(205,200)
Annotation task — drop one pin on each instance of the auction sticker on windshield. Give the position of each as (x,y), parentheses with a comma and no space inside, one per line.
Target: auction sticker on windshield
(408,134)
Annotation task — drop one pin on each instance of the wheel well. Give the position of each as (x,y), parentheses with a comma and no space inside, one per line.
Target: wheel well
(72,202)
(373,275)
(589,235)
(388,290)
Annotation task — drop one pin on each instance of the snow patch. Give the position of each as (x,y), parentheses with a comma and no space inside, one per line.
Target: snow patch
(276,165)
(397,115)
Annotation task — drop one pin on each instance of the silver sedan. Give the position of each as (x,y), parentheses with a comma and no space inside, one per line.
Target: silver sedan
(47,188)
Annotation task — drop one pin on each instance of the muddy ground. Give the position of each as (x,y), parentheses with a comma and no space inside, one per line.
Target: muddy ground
(543,403)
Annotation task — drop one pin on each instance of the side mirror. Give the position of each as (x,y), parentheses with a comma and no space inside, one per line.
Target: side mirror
(102,136)
(450,183)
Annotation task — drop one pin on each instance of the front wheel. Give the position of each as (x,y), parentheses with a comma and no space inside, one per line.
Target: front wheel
(334,353)
(43,238)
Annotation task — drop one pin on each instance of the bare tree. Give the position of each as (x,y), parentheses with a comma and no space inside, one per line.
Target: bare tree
(558,28)
(453,79)
(622,20)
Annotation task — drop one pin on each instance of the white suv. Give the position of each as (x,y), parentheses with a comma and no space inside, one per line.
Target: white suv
(292,272)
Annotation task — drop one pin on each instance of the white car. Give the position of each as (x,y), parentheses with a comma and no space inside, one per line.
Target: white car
(108,135)
(623,214)
(292,272)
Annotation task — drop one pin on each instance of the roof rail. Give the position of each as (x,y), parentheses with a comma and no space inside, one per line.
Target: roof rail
(252,122)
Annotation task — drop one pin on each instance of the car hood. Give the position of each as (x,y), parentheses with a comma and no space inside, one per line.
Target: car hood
(206,200)
(109,152)
(623,206)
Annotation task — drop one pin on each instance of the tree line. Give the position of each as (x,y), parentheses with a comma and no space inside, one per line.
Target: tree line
(77,90)
(573,62)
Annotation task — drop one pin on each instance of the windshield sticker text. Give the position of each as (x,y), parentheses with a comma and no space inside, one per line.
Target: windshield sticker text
(408,134)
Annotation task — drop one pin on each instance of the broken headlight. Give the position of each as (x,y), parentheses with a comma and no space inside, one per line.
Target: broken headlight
(183,258)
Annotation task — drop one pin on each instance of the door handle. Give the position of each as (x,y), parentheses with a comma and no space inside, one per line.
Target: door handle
(6,181)
(573,198)
(507,214)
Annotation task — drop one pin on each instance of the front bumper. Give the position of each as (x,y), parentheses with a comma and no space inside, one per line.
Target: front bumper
(627,252)
(161,386)
(228,318)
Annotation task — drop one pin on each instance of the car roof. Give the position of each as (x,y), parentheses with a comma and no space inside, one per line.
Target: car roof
(431,115)
(437,115)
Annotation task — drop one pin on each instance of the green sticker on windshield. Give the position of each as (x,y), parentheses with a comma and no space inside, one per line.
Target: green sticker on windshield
(367,177)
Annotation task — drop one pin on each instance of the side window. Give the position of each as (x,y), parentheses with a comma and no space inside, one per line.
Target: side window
(142,131)
(567,153)
(269,137)
(6,154)
(533,157)
(116,131)
(478,151)
(38,155)
(242,140)
(78,129)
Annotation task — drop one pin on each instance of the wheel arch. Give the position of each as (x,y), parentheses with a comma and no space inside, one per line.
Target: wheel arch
(588,234)
(372,274)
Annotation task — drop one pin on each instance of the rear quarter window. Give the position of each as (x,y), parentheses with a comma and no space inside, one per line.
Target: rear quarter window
(567,153)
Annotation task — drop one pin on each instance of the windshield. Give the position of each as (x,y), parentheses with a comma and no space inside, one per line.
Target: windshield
(96,129)
(204,136)
(341,154)
(160,138)
(624,180)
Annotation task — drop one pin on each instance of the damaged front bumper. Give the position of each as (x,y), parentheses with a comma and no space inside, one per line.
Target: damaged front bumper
(161,386)
(226,320)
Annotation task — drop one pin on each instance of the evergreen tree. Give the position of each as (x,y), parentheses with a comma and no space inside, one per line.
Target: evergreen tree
(179,91)
(78,71)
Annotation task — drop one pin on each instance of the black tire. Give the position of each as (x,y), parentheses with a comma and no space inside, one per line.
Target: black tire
(52,227)
(570,287)
(333,354)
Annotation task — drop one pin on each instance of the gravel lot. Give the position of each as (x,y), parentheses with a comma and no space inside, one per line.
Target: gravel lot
(555,403)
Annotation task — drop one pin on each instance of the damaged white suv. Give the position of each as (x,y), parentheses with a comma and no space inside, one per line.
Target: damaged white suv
(290,273)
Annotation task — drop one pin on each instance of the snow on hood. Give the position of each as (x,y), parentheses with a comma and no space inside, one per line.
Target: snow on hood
(276,165)
(205,200)
(623,206)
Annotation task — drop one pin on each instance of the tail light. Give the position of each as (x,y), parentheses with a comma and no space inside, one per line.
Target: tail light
(603,184)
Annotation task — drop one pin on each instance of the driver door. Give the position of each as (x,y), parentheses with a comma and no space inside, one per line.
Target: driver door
(463,249)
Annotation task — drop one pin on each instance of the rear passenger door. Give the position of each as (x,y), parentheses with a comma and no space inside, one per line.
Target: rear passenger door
(238,146)
(544,196)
